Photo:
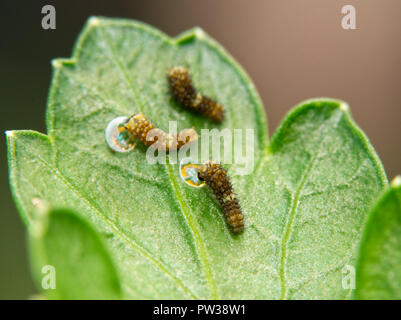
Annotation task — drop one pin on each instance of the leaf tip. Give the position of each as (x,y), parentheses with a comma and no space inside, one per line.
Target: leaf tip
(94,21)
(40,217)
(324,101)
(199,33)
(344,106)
(396,182)
(9,133)
(56,63)
(10,137)
(195,33)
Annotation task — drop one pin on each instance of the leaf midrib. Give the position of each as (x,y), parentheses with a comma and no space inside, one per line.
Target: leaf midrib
(202,254)
(288,227)
(194,230)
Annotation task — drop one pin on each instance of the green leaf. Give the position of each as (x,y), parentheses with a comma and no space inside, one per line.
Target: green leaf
(378,270)
(304,204)
(68,251)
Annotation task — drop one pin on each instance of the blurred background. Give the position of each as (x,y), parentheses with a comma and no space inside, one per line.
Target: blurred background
(292,49)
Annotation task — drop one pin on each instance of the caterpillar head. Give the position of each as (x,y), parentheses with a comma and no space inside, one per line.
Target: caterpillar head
(207,170)
(188,136)
(177,72)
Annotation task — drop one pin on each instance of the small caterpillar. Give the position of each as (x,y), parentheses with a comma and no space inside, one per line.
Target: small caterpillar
(216,178)
(138,127)
(185,93)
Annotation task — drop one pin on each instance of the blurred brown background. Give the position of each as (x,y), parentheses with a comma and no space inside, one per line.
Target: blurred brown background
(292,49)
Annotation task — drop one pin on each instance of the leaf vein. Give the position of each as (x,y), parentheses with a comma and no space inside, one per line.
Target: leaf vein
(122,234)
(289,225)
(195,232)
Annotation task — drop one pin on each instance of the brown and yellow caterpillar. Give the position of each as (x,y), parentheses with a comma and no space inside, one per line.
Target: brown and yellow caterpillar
(138,127)
(185,93)
(216,178)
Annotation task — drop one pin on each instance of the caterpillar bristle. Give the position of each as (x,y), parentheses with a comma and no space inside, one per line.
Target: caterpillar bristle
(217,179)
(185,93)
